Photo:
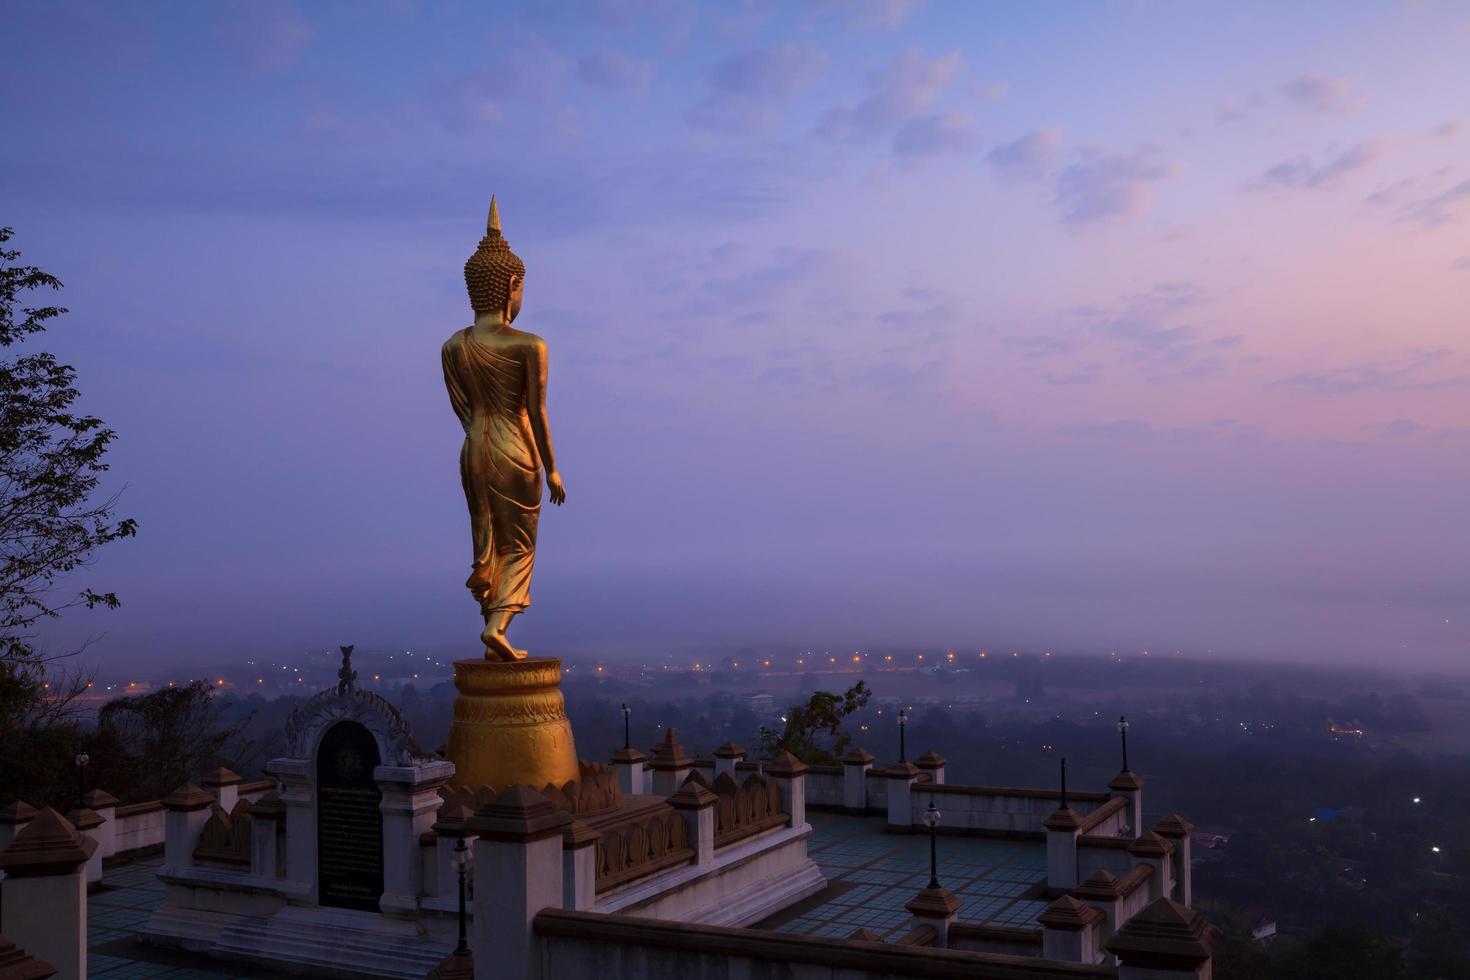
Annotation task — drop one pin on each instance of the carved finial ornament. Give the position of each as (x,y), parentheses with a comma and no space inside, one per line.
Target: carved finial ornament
(346,676)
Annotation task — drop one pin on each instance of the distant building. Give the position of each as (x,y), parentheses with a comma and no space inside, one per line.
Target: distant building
(762,703)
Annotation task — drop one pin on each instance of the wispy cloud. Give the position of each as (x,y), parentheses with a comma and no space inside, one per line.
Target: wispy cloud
(747,90)
(1412,370)
(267,35)
(1232,110)
(611,69)
(904,90)
(1304,172)
(929,136)
(1100,186)
(1315,93)
(1028,158)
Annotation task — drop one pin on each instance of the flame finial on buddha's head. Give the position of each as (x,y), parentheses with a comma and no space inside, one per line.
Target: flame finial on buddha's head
(488,272)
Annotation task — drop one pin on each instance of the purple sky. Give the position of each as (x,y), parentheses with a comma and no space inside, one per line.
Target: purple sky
(1070,326)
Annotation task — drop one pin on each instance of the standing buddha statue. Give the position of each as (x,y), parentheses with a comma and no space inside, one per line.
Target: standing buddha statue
(496,376)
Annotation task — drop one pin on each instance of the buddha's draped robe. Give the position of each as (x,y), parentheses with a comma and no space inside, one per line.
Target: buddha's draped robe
(498,466)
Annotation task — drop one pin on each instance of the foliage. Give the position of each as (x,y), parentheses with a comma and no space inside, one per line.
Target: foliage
(810,726)
(147,746)
(51,459)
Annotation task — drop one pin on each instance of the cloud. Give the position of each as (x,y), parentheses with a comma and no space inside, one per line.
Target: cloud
(1398,428)
(613,70)
(950,132)
(1428,201)
(267,35)
(1027,158)
(885,15)
(1440,209)
(1405,372)
(1083,374)
(1461,264)
(1100,186)
(1448,130)
(1231,111)
(903,90)
(1302,172)
(1314,93)
(747,90)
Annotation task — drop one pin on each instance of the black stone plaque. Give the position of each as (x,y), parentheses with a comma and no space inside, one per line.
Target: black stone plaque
(349,825)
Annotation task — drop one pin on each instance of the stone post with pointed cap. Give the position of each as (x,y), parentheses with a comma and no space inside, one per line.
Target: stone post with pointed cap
(936,907)
(518,872)
(901,776)
(186,811)
(89,824)
(1071,931)
(696,804)
(103,804)
(932,763)
(267,832)
(1166,941)
(579,865)
(855,766)
(44,892)
(727,757)
(1062,830)
(225,785)
(1175,829)
(670,765)
(1129,785)
(13,819)
(17,964)
(789,774)
(628,761)
(1102,892)
(1151,849)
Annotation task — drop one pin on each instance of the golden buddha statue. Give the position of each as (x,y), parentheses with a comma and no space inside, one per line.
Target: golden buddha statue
(496,376)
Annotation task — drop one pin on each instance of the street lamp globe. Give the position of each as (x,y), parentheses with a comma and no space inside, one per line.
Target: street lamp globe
(932,816)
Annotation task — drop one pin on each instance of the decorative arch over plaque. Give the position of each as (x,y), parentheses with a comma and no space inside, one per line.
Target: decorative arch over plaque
(310,721)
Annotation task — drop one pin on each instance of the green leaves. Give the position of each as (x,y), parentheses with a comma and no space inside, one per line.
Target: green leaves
(809,726)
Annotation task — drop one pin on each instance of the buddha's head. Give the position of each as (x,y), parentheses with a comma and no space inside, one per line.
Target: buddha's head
(494,275)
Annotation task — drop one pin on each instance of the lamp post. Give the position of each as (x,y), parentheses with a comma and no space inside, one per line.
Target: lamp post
(1123,731)
(1064,784)
(903,723)
(82,759)
(461,865)
(627,713)
(931,820)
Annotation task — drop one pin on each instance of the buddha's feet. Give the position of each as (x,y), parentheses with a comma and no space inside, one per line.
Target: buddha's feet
(497,647)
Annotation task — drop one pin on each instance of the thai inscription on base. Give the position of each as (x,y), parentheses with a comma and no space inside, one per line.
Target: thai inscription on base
(349,823)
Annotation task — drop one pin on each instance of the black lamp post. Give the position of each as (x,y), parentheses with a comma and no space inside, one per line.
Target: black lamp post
(903,723)
(931,820)
(1064,784)
(627,713)
(461,864)
(82,759)
(1123,731)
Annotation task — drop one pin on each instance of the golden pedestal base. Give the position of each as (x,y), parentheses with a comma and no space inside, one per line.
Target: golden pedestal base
(510,725)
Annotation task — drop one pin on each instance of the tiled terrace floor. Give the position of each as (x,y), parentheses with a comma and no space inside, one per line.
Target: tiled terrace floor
(115,912)
(871,875)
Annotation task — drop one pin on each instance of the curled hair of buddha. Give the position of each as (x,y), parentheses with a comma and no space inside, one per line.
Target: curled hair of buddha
(488,272)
